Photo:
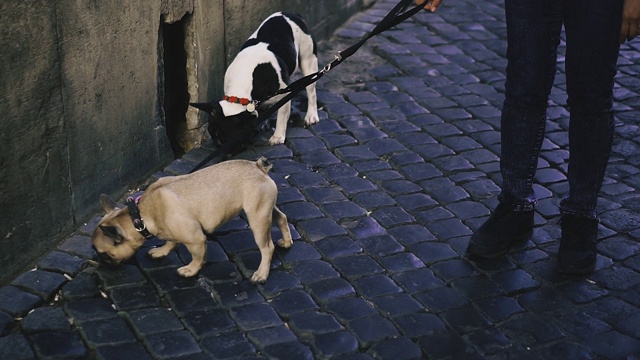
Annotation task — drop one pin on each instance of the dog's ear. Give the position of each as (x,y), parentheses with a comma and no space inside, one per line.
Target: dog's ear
(113,232)
(212,108)
(107,204)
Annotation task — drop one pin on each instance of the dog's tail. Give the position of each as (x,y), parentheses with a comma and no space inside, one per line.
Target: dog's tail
(263,164)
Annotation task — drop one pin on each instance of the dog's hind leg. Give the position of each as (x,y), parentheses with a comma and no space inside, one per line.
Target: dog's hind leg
(281,220)
(261,226)
(309,65)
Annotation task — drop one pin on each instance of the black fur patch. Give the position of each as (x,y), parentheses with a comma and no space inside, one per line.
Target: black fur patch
(265,81)
(277,33)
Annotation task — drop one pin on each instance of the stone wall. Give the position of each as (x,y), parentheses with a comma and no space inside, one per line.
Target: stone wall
(89,88)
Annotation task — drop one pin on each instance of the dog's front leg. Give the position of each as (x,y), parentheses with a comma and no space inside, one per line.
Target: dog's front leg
(162,251)
(281,125)
(198,252)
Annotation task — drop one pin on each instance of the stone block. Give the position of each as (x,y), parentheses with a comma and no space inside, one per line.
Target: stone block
(111,331)
(58,344)
(337,246)
(255,316)
(330,289)
(264,337)
(171,344)
(317,229)
(279,281)
(208,322)
(335,343)
(82,286)
(15,347)
(89,309)
(43,283)
(348,309)
(372,328)
(398,304)
(419,324)
(121,351)
(6,323)
(357,265)
(314,270)
(313,322)
(370,287)
(222,346)
(16,302)
(78,245)
(134,297)
(398,348)
(237,294)
(153,320)
(292,302)
(187,300)
(45,319)
(61,262)
(293,349)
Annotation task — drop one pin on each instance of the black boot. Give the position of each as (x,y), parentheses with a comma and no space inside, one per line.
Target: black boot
(577,253)
(504,228)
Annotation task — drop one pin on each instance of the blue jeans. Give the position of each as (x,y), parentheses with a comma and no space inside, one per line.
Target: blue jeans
(533,35)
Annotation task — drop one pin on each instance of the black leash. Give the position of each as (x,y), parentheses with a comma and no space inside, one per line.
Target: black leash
(393,18)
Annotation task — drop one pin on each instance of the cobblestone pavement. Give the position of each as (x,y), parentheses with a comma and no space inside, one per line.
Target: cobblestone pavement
(382,196)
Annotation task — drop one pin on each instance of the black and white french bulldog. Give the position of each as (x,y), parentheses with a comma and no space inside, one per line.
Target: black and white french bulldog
(263,66)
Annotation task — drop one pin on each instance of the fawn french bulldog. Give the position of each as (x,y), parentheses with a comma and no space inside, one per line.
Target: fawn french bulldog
(263,66)
(182,209)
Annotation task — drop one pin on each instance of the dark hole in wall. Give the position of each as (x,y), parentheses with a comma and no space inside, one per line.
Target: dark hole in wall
(176,97)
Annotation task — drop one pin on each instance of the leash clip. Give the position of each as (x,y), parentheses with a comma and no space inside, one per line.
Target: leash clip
(139,225)
(336,59)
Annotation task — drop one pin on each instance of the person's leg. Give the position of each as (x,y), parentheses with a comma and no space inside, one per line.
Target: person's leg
(592,29)
(533,35)
(533,32)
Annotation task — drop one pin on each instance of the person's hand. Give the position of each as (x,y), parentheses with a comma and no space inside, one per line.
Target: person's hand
(630,20)
(430,5)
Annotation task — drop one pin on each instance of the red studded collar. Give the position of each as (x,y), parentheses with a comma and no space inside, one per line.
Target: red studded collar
(250,104)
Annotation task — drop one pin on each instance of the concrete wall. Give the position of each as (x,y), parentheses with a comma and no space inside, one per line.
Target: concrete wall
(83,100)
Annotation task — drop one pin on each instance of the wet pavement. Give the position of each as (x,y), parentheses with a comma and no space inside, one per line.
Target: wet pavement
(382,196)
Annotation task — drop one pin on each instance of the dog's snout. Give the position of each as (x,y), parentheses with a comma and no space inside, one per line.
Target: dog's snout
(104,258)
(101,255)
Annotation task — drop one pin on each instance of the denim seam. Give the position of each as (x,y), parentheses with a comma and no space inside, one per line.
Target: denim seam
(533,165)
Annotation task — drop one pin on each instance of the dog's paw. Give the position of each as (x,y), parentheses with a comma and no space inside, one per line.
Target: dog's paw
(187,271)
(276,139)
(157,253)
(284,244)
(311,119)
(258,278)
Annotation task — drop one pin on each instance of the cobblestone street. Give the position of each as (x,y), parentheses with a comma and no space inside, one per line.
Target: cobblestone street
(382,196)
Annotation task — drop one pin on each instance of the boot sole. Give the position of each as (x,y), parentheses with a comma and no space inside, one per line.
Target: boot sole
(582,271)
(475,250)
